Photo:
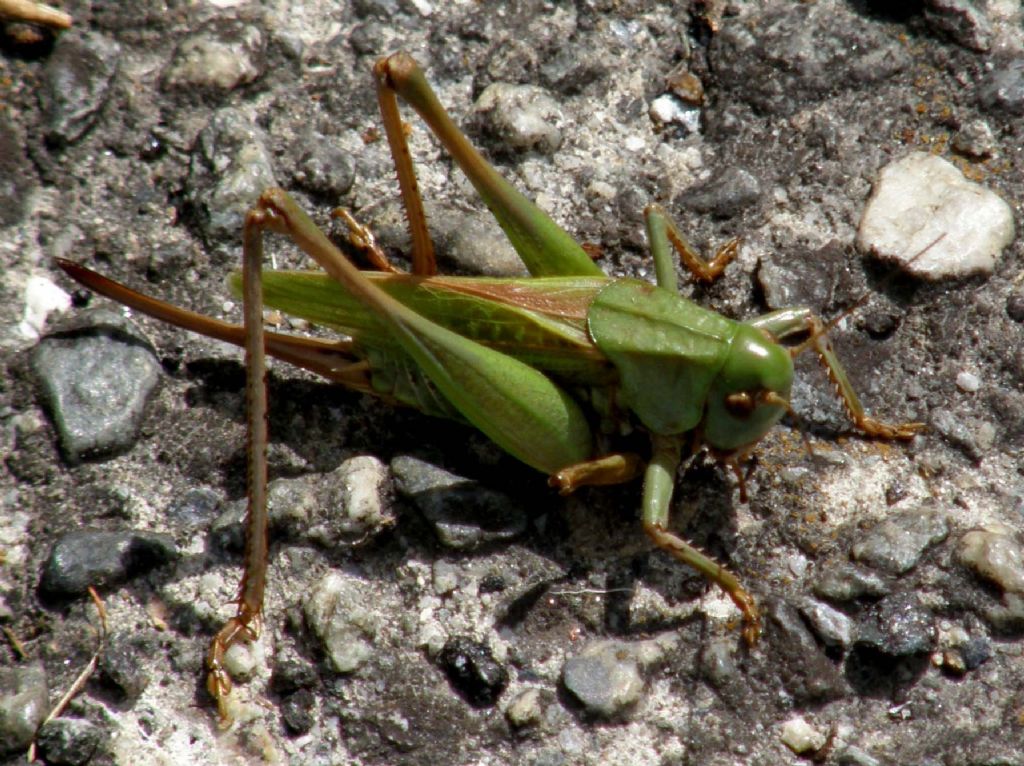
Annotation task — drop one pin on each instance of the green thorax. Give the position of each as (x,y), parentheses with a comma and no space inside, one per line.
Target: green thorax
(667,350)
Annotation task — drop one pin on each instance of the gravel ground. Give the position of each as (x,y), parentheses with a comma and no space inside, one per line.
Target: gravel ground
(430,600)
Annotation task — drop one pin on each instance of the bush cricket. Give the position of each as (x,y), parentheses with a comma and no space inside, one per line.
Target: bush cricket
(533,363)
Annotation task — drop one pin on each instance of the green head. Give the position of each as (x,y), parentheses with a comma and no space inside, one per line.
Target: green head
(750,393)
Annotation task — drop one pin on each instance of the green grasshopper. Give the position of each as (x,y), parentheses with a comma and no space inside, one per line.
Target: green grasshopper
(513,357)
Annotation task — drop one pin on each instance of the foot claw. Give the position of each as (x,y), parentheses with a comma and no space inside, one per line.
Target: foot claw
(879,430)
(243,626)
(751,616)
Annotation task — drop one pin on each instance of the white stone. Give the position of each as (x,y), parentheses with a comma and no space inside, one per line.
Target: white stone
(800,737)
(995,555)
(968,382)
(41,298)
(926,215)
(666,109)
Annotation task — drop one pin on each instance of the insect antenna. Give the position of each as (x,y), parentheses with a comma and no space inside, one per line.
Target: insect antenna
(823,328)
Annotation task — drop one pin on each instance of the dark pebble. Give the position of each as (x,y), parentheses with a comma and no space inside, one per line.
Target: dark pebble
(897,626)
(297,711)
(102,559)
(95,375)
(473,671)
(24,703)
(841,582)
(68,741)
(196,508)
(76,84)
(806,672)
(122,666)
(976,652)
(290,675)
(725,195)
(464,514)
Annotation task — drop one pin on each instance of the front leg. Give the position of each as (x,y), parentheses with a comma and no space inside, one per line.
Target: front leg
(664,236)
(784,323)
(659,482)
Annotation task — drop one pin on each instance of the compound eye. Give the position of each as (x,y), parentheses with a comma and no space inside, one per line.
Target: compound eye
(740,405)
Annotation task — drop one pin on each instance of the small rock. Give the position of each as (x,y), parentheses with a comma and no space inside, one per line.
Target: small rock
(197,507)
(361,500)
(95,375)
(340,609)
(521,117)
(227,532)
(725,195)
(291,674)
(325,168)
(446,578)
(968,382)
(957,433)
(995,555)
(961,21)
(830,625)
(71,741)
(806,672)
(343,506)
(968,654)
(604,677)
(218,57)
(230,167)
(17,177)
(1002,90)
(464,514)
(975,652)
(479,246)
(1015,306)
(385,9)
(102,559)
(473,671)
(298,711)
(76,84)
(243,659)
(668,109)
(685,85)
(975,140)
(525,709)
(718,662)
(24,703)
(984,436)
(898,626)
(842,582)
(42,298)
(122,665)
(806,280)
(854,756)
(895,545)
(801,737)
(921,198)
(492,582)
